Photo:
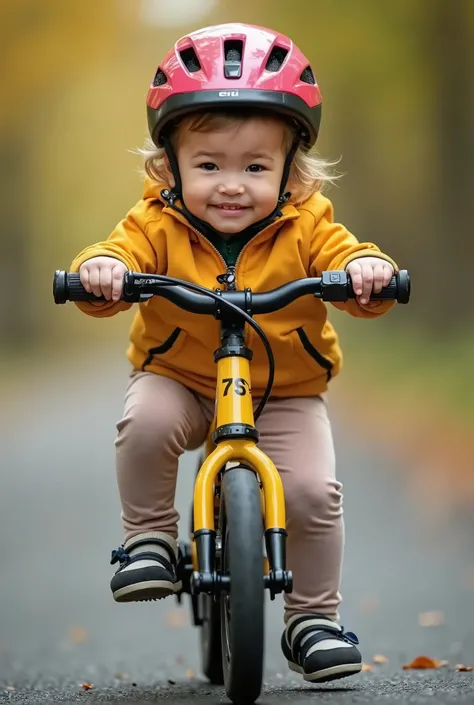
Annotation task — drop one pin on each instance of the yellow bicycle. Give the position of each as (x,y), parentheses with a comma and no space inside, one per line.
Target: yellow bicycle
(237,534)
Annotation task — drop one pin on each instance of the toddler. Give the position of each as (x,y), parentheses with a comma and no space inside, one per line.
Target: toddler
(232,186)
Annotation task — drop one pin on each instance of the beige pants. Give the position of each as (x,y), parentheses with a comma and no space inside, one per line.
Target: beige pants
(163,418)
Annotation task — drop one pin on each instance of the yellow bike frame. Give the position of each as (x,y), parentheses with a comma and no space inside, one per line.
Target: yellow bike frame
(233,438)
(234,406)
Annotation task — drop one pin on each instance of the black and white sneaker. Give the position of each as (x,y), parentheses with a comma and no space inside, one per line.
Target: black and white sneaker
(320,649)
(147,568)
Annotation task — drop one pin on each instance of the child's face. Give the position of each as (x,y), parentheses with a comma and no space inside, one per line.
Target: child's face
(231,177)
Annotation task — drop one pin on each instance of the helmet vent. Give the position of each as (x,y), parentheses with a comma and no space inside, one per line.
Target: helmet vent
(233,49)
(276,58)
(190,60)
(160,78)
(308,76)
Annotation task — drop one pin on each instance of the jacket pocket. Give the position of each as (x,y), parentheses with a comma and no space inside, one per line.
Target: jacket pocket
(322,361)
(163,348)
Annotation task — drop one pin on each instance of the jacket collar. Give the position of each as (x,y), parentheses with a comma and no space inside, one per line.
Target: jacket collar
(153,190)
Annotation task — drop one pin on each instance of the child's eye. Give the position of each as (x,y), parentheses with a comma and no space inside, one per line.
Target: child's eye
(255,168)
(208,166)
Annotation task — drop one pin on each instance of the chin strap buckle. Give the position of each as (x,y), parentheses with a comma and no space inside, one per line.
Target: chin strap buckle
(169,196)
(284,198)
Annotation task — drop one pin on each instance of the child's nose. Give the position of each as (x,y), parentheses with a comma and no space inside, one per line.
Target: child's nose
(232,188)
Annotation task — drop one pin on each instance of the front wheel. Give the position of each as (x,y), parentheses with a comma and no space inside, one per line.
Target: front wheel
(242,609)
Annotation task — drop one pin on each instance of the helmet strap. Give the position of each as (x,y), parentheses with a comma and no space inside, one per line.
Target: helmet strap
(202,226)
(284,197)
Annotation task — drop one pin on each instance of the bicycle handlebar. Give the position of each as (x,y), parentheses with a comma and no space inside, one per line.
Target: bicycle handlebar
(331,286)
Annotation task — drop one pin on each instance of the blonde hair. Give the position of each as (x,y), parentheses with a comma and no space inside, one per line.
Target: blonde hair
(309,172)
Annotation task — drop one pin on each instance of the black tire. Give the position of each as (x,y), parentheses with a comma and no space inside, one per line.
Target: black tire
(209,614)
(242,609)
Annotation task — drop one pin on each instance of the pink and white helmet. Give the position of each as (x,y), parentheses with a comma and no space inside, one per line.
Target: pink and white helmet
(235,65)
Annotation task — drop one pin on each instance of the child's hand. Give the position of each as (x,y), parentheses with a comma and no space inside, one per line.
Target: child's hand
(103,276)
(369,274)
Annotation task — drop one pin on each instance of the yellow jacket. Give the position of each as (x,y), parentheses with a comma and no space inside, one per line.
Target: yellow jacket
(153,238)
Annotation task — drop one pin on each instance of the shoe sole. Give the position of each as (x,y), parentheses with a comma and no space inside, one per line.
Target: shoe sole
(327,674)
(146,591)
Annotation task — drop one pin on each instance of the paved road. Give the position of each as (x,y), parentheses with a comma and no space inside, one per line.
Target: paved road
(60,628)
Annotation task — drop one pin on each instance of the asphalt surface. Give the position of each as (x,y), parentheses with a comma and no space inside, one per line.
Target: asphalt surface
(60,628)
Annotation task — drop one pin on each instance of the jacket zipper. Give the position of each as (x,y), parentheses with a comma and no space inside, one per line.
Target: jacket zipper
(222,277)
(229,277)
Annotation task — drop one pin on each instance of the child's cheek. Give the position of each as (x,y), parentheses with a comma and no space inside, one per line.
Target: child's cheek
(199,187)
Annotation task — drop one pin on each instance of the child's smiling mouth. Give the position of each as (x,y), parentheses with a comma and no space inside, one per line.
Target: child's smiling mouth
(229,209)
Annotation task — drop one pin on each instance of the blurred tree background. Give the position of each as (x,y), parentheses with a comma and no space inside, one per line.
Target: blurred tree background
(398,90)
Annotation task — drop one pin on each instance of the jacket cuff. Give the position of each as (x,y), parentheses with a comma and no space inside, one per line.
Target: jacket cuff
(84,256)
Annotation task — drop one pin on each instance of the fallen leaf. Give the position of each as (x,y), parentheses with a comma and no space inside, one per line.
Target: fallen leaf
(379,658)
(461,667)
(366,667)
(431,619)
(77,635)
(177,619)
(190,673)
(423,662)
(87,686)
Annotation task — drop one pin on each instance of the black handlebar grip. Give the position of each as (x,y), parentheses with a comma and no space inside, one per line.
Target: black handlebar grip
(397,290)
(68,287)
